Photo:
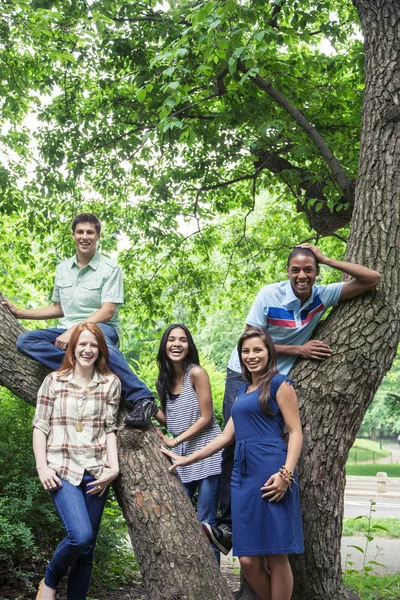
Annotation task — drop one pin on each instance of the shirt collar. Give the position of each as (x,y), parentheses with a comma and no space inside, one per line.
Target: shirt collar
(93,264)
(291,298)
(97,377)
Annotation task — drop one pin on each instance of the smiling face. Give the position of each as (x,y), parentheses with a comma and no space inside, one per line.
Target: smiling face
(177,347)
(255,355)
(302,272)
(86,238)
(86,350)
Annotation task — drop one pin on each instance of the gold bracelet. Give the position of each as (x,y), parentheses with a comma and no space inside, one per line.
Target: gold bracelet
(178,440)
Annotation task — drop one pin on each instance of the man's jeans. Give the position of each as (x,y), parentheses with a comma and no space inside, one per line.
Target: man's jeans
(234,382)
(81,515)
(40,345)
(207,501)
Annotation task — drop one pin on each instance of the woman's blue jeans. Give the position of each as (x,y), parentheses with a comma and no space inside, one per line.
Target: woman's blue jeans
(207,501)
(81,515)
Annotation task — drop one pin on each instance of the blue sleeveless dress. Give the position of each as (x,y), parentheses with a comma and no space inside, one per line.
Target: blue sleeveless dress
(259,526)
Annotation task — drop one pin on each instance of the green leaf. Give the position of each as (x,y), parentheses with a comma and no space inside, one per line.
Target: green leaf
(357,548)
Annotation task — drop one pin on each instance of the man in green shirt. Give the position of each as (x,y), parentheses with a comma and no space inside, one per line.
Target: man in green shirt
(88,288)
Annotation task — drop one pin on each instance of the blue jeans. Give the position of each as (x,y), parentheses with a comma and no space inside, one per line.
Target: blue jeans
(81,515)
(234,382)
(207,501)
(40,345)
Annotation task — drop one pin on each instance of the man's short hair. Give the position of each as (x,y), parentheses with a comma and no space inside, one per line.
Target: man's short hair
(86,218)
(298,251)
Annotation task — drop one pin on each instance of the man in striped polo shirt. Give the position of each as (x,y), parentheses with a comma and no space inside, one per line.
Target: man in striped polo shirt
(289,311)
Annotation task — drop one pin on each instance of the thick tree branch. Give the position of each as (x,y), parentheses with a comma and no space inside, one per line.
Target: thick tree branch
(337,170)
(324,221)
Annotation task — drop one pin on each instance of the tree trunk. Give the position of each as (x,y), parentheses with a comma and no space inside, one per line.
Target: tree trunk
(363,334)
(176,560)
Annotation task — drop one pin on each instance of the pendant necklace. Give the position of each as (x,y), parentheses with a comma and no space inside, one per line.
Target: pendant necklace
(79,424)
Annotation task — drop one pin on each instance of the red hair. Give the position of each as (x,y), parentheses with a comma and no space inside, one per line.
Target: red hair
(101,364)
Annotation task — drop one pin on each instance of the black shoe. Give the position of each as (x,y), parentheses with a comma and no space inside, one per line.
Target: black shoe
(220,537)
(141,412)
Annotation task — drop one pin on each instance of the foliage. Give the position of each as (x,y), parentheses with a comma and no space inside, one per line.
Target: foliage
(27,518)
(363,589)
(383,527)
(372,469)
(152,116)
(375,587)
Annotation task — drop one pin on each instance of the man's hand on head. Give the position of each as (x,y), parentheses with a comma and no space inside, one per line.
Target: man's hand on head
(321,258)
(63,340)
(315,349)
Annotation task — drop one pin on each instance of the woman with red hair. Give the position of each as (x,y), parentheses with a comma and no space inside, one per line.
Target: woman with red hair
(75,447)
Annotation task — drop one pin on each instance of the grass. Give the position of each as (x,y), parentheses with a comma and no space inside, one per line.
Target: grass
(381,527)
(371,470)
(374,587)
(364,450)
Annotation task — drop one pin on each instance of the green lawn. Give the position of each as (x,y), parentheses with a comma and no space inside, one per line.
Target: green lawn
(380,527)
(371,470)
(364,450)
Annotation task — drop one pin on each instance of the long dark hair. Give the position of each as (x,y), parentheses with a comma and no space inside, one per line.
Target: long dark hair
(101,363)
(270,369)
(166,373)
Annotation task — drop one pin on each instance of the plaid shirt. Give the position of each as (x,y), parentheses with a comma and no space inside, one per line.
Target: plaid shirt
(61,404)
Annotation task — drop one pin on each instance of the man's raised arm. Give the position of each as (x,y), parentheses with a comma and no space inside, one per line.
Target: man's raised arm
(364,279)
(53,311)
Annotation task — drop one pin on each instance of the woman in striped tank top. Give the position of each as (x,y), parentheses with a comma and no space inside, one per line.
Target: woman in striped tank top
(184,390)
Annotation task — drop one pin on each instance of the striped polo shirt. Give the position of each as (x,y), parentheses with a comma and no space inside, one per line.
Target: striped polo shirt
(181,412)
(279,310)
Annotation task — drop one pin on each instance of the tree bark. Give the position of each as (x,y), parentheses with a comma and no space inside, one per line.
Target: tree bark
(176,560)
(364,333)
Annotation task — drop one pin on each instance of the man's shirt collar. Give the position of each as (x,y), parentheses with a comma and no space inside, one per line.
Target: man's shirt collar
(291,299)
(93,264)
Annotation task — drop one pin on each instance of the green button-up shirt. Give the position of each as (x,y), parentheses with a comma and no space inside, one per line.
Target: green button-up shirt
(82,291)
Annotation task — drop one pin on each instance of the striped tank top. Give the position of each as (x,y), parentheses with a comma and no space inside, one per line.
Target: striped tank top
(181,412)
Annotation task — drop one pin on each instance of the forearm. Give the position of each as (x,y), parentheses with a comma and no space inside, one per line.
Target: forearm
(40,448)
(54,311)
(290,350)
(221,441)
(367,277)
(294,448)
(112,451)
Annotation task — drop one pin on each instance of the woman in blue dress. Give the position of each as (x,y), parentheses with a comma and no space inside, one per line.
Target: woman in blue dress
(266,516)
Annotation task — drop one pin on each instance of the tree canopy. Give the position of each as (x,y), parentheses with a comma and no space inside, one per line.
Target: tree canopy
(168,120)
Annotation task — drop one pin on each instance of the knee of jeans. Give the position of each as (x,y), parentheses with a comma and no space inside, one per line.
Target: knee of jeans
(24,340)
(82,539)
